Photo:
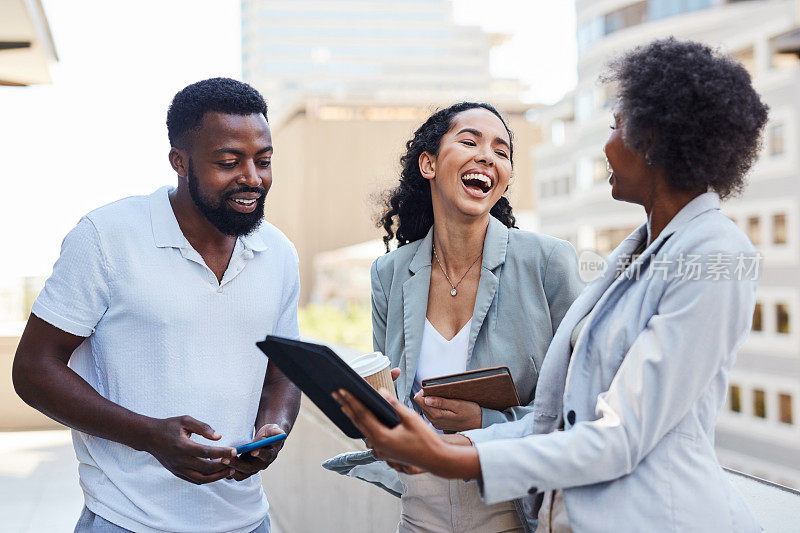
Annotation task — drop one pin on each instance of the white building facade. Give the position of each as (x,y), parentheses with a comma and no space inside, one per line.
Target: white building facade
(759,431)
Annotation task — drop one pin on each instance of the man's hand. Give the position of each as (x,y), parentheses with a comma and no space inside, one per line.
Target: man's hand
(168,441)
(250,463)
(449,415)
(395,373)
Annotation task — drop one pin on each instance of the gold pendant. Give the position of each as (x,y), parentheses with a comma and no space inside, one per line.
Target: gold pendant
(453,292)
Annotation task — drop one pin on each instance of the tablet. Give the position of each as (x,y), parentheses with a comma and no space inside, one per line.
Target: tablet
(317,371)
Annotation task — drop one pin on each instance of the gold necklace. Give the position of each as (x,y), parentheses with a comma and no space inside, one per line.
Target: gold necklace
(453,291)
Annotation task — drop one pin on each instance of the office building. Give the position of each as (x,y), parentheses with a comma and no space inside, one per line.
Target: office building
(759,431)
(367,49)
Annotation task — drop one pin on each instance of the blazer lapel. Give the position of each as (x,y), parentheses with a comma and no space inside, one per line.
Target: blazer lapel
(550,388)
(552,384)
(415,306)
(495,245)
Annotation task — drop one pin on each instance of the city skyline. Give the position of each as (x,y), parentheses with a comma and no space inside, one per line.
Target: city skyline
(100,125)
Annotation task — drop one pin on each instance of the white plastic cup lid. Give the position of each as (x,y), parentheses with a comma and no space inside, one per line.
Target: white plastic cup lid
(369,363)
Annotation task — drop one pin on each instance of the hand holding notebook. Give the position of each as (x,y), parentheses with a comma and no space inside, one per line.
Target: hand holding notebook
(491,388)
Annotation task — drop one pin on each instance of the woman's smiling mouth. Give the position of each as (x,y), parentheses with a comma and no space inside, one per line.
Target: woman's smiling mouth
(477,184)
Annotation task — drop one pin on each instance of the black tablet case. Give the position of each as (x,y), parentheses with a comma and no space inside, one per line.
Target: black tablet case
(317,371)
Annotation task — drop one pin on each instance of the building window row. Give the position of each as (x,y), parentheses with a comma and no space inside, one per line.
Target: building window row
(782,318)
(632,15)
(778,230)
(760,405)
(555,187)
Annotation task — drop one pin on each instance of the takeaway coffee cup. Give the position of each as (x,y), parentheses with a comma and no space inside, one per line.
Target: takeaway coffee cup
(374,368)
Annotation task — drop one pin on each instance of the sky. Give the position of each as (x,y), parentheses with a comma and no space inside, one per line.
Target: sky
(97,133)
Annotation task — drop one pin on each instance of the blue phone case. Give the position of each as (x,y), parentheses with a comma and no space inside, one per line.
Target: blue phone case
(244,448)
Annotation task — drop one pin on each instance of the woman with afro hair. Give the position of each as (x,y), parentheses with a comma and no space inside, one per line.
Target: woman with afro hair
(621,435)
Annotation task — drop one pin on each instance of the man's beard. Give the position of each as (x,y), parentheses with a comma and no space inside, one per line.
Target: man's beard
(220,214)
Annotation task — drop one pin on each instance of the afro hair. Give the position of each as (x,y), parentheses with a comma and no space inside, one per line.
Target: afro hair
(691,111)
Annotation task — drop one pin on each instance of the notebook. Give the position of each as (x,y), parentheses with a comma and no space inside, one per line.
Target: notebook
(492,388)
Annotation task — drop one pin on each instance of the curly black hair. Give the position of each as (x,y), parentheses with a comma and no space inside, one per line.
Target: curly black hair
(220,95)
(692,111)
(411,201)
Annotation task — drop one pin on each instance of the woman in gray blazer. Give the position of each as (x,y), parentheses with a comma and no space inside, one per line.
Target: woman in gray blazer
(637,372)
(464,290)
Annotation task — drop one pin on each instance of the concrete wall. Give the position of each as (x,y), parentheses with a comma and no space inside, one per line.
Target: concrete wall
(304,496)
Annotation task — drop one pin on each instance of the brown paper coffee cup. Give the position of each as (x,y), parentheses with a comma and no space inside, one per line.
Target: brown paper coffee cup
(382,379)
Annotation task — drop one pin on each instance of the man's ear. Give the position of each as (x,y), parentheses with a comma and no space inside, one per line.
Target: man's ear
(179,161)
(427,165)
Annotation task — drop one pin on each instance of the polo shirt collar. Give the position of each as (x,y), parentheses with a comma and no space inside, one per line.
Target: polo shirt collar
(253,240)
(167,233)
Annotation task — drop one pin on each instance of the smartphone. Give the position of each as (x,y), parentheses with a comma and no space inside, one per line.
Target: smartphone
(244,448)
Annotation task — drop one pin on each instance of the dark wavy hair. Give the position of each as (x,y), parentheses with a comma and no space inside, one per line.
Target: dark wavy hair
(410,202)
(692,112)
(220,95)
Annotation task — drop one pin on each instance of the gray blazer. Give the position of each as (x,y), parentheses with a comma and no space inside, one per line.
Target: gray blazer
(641,391)
(527,283)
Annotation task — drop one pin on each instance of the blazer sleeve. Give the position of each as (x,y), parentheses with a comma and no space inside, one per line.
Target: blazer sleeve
(562,282)
(688,342)
(380,305)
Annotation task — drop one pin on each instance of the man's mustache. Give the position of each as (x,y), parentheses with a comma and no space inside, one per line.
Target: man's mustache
(260,190)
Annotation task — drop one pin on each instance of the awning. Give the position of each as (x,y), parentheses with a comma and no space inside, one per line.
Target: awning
(26,45)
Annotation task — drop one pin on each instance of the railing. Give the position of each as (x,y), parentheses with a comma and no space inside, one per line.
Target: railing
(305,497)
(776,507)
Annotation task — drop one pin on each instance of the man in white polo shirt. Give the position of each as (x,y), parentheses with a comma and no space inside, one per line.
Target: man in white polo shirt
(143,339)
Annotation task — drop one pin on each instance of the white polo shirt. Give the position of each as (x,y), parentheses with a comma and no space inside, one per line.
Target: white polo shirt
(163,339)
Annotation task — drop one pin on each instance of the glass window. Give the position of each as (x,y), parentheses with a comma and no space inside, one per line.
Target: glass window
(599,170)
(758,318)
(777,139)
(782,311)
(557,132)
(657,9)
(785,408)
(626,17)
(547,189)
(590,32)
(608,239)
(754,230)
(779,229)
(759,403)
(558,186)
(692,5)
(584,105)
(584,173)
(735,395)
